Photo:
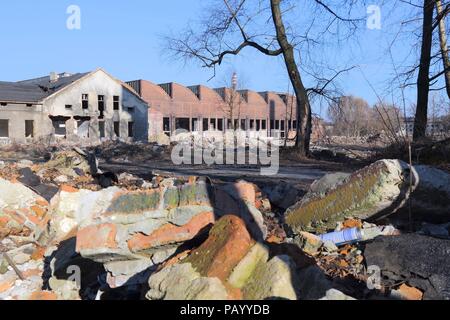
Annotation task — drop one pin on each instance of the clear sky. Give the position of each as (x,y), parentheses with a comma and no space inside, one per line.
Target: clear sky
(124,38)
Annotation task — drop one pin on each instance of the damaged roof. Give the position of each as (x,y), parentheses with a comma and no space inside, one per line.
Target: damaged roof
(35,90)
(14,92)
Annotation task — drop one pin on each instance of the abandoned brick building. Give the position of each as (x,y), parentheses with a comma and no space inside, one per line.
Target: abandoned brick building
(199,108)
(77,107)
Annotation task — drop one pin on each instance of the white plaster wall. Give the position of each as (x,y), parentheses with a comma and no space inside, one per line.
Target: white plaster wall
(17,114)
(100,83)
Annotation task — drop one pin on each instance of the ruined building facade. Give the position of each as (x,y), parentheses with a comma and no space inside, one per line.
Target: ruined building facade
(199,109)
(86,107)
(93,107)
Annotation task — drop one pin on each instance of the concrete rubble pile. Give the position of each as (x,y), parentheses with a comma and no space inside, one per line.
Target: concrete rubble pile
(193,238)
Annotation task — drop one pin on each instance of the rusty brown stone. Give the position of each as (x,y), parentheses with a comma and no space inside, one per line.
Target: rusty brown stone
(228,242)
(43,296)
(409,293)
(97,236)
(169,233)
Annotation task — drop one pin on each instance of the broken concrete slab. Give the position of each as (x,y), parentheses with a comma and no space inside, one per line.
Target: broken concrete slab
(282,194)
(72,207)
(169,234)
(375,192)
(274,279)
(328,182)
(313,283)
(420,261)
(363,194)
(183,282)
(244,269)
(432,194)
(22,211)
(308,242)
(336,295)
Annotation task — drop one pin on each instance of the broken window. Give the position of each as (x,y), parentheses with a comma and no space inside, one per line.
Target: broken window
(130,129)
(85,101)
(60,127)
(29,129)
(220,124)
(59,124)
(205,124)
(182,123)
(4,128)
(166,125)
(195,126)
(83,124)
(116,100)
(101,129)
(101,105)
(117,128)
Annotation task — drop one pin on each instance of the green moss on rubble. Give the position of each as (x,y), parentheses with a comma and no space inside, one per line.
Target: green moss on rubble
(3,265)
(193,194)
(359,193)
(201,260)
(257,255)
(272,279)
(171,198)
(135,202)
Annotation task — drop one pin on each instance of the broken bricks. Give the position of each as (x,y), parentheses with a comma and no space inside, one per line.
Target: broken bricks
(22,211)
(191,239)
(229,264)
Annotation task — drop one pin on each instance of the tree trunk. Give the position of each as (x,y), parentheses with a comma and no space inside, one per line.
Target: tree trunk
(303,106)
(423,82)
(444,48)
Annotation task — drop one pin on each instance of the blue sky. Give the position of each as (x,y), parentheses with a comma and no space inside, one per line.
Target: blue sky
(124,38)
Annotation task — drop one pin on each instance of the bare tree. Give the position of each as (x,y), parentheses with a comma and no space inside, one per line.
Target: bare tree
(233,25)
(387,117)
(420,27)
(289,101)
(351,116)
(441,14)
(423,78)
